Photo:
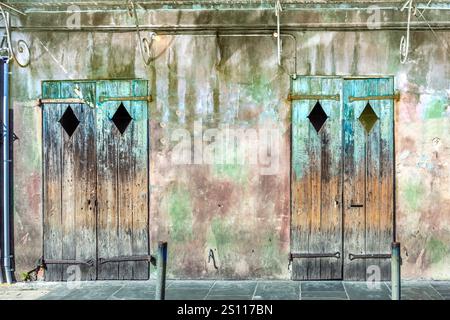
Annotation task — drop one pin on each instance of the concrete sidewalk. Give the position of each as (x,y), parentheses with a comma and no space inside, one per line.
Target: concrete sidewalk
(226,290)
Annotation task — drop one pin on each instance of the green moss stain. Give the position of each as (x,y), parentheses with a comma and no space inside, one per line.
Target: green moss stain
(180,212)
(435,109)
(234,172)
(271,254)
(436,250)
(413,195)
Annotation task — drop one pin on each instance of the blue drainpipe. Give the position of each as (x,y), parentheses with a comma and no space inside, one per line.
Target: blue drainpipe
(6,165)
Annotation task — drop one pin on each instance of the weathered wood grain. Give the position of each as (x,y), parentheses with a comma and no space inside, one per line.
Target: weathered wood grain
(52,136)
(368,179)
(316,181)
(122,182)
(69,185)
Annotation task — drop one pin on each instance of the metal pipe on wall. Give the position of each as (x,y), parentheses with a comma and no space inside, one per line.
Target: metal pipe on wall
(6,183)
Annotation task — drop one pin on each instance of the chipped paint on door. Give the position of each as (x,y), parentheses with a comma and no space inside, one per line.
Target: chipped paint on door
(95,179)
(316,179)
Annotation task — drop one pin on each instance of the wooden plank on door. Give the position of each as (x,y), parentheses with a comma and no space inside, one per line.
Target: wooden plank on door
(122,181)
(69,184)
(79,184)
(368,191)
(316,224)
(52,162)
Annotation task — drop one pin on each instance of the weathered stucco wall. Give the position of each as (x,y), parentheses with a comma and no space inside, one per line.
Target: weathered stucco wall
(242,215)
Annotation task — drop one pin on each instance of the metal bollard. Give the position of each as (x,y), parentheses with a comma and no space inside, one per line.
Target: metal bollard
(161,263)
(396,261)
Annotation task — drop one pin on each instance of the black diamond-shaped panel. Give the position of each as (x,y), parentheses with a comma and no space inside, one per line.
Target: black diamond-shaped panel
(368,118)
(69,121)
(121,118)
(317,116)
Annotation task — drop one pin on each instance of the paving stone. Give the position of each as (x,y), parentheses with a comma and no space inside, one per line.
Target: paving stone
(134,293)
(32,294)
(190,284)
(364,291)
(186,294)
(239,288)
(419,291)
(322,286)
(324,295)
(277,290)
(97,293)
(229,297)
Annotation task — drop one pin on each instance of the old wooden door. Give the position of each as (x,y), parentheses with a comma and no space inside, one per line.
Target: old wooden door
(122,177)
(342,178)
(316,224)
(69,181)
(95,180)
(368,177)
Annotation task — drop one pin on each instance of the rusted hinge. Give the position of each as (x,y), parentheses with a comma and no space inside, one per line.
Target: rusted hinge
(292,97)
(62,101)
(395,96)
(336,255)
(55,261)
(140,98)
(148,258)
(352,256)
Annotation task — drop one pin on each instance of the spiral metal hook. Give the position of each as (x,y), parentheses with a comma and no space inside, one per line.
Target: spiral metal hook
(22,46)
(144,43)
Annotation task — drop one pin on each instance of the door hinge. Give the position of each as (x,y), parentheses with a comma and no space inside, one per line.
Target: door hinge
(140,98)
(395,96)
(62,101)
(147,257)
(292,97)
(295,255)
(56,261)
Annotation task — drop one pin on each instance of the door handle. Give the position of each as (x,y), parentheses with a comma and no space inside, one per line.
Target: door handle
(356,205)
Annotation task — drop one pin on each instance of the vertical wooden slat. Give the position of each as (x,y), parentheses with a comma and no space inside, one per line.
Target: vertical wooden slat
(80,167)
(316,181)
(52,135)
(139,183)
(373,181)
(387,176)
(107,181)
(354,182)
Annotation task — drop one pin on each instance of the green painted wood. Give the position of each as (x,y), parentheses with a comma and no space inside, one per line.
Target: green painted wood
(69,185)
(368,179)
(122,177)
(316,216)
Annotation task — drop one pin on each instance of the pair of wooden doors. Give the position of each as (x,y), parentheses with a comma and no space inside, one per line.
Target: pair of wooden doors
(95,151)
(342,181)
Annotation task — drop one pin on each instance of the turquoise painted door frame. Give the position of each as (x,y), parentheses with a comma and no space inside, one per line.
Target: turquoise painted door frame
(342,178)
